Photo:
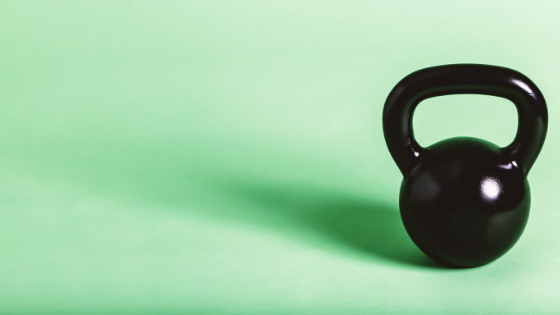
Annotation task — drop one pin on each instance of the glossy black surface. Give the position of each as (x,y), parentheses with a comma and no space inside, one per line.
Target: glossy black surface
(464,201)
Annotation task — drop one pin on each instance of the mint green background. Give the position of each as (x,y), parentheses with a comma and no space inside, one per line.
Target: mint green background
(227,157)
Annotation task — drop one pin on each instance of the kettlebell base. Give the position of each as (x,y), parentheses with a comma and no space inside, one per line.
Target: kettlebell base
(464,206)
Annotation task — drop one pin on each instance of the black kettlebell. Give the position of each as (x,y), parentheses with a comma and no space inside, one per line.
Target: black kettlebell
(465,201)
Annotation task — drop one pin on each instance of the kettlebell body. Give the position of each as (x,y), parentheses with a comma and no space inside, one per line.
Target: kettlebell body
(465,201)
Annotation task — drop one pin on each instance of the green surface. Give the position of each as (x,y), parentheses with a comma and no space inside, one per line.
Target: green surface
(227,157)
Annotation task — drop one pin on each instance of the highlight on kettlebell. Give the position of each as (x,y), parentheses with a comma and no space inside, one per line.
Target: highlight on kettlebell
(465,201)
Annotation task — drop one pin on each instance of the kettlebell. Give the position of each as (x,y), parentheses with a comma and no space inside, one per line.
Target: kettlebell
(465,201)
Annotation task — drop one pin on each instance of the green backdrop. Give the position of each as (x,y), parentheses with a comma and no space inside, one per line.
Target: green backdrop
(227,157)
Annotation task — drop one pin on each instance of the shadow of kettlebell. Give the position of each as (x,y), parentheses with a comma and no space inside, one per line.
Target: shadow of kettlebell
(344,223)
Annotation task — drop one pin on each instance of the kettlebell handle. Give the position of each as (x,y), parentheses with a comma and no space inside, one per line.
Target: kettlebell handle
(465,79)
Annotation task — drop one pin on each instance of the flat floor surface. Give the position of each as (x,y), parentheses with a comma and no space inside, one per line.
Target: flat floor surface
(227,157)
